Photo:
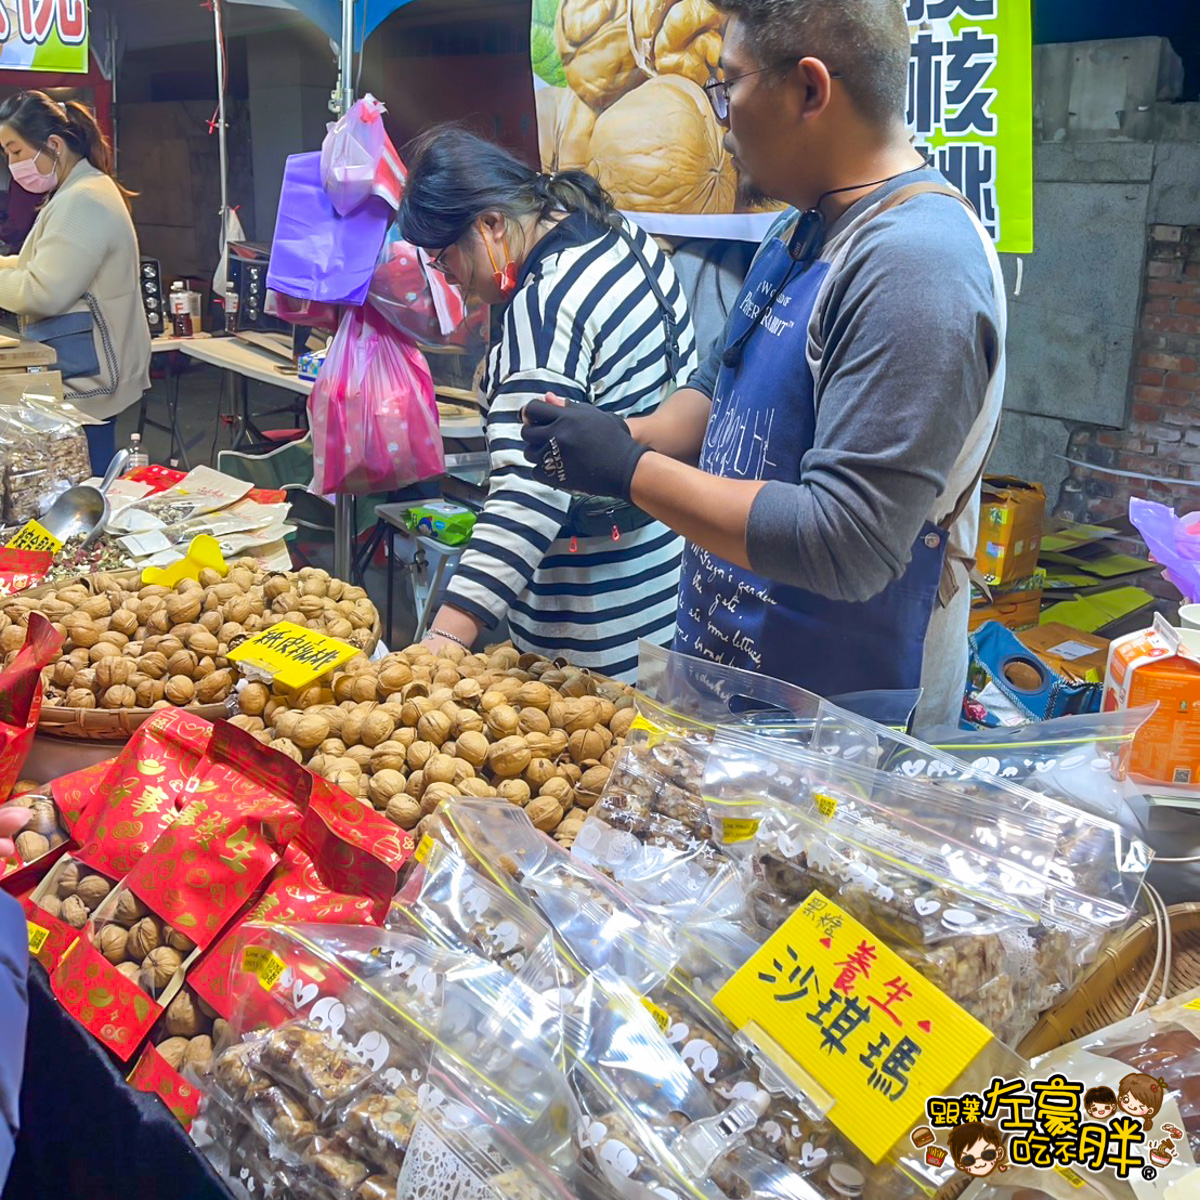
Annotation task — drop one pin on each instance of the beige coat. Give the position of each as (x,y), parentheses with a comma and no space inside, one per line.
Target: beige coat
(81,256)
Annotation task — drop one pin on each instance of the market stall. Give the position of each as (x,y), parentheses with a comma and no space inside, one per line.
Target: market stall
(351,918)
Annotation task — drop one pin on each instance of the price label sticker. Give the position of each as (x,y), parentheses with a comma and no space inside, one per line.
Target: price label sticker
(253,958)
(32,536)
(291,655)
(738,829)
(856,1019)
(270,970)
(37,937)
(1194,1005)
(423,848)
(662,1018)
(826,805)
(1074,1180)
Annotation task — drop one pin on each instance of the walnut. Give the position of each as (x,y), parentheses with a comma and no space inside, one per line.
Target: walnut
(435,727)
(68,879)
(74,912)
(32,846)
(144,937)
(199,1053)
(180,689)
(179,941)
(111,942)
(182,1017)
(509,757)
(503,722)
(92,889)
(515,791)
(385,785)
(51,905)
(545,812)
(404,811)
(158,969)
(129,909)
(309,732)
(173,1050)
(130,970)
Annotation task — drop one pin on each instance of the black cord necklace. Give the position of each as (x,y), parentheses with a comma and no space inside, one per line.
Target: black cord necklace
(803,246)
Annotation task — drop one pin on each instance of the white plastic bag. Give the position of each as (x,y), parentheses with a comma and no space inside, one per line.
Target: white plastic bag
(358,159)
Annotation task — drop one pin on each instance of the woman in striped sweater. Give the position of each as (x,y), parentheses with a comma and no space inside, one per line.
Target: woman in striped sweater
(591,312)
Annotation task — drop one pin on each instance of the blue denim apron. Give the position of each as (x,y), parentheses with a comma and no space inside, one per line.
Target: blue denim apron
(762,424)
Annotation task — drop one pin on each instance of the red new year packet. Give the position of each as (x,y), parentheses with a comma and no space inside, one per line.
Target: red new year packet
(155,1075)
(21,698)
(21,569)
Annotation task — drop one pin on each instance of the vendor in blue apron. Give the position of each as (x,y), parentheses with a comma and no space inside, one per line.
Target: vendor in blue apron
(824,462)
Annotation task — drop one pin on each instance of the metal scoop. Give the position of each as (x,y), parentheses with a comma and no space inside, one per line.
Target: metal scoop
(83,509)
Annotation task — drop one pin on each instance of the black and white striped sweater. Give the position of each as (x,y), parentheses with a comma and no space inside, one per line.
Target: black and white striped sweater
(584,324)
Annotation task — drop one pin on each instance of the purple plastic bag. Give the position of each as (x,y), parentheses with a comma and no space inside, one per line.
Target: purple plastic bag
(317,254)
(1173,541)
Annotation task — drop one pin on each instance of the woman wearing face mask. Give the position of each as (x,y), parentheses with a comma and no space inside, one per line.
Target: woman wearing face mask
(75,282)
(591,310)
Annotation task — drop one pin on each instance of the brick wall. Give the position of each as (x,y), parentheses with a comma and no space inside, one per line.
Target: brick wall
(1163,434)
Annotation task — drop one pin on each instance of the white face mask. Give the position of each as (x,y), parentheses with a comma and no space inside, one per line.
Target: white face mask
(29,176)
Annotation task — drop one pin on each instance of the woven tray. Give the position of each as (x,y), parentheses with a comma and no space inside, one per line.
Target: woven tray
(119,724)
(1108,992)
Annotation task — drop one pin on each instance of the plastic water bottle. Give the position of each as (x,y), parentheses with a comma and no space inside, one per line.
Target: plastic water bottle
(137,456)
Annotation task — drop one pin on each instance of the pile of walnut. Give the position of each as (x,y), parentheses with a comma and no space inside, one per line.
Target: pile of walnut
(145,949)
(79,894)
(154,647)
(187,1031)
(415,729)
(43,831)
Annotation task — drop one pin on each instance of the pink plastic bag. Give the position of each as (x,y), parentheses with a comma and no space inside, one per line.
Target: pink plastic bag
(316,314)
(372,411)
(418,300)
(358,159)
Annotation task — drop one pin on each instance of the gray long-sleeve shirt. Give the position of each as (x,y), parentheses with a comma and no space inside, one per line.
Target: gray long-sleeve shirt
(906,347)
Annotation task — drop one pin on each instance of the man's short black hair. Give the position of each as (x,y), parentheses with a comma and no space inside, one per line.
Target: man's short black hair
(1099,1095)
(865,41)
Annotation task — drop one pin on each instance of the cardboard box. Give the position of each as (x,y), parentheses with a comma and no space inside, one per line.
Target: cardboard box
(1015,607)
(1010,528)
(1160,665)
(1070,652)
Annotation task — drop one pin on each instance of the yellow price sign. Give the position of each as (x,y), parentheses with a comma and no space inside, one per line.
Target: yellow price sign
(859,1021)
(32,536)
(253,957)
(738,829)
(37,937)
(1075,1180)
(662,1018)
(423,848)
(269,971)
(826,805)
(292,655)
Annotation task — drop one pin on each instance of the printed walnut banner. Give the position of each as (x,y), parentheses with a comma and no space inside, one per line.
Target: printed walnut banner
(620,85)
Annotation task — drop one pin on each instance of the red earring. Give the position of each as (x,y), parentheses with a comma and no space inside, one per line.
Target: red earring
(506,279)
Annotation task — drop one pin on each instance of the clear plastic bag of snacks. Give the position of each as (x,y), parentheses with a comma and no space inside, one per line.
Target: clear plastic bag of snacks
(994,930)
(43,451)
(319,1072)
(1079,759)
(443,898)
(597,924)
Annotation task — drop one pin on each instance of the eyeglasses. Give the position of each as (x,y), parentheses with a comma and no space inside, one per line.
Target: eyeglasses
(439,263)
(718,90)
(969,1160)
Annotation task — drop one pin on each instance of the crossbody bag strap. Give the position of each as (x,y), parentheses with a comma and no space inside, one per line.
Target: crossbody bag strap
(670,327)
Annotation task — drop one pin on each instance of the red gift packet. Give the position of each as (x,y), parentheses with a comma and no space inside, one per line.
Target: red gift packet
(21,698)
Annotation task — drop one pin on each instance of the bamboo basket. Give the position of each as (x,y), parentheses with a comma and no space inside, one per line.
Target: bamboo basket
(1108,992)
(119,724)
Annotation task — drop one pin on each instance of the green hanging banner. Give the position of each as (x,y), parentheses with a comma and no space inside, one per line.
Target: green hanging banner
(44,35)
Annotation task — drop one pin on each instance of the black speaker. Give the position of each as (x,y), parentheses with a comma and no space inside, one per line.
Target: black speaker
(248,274)
(153,300)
